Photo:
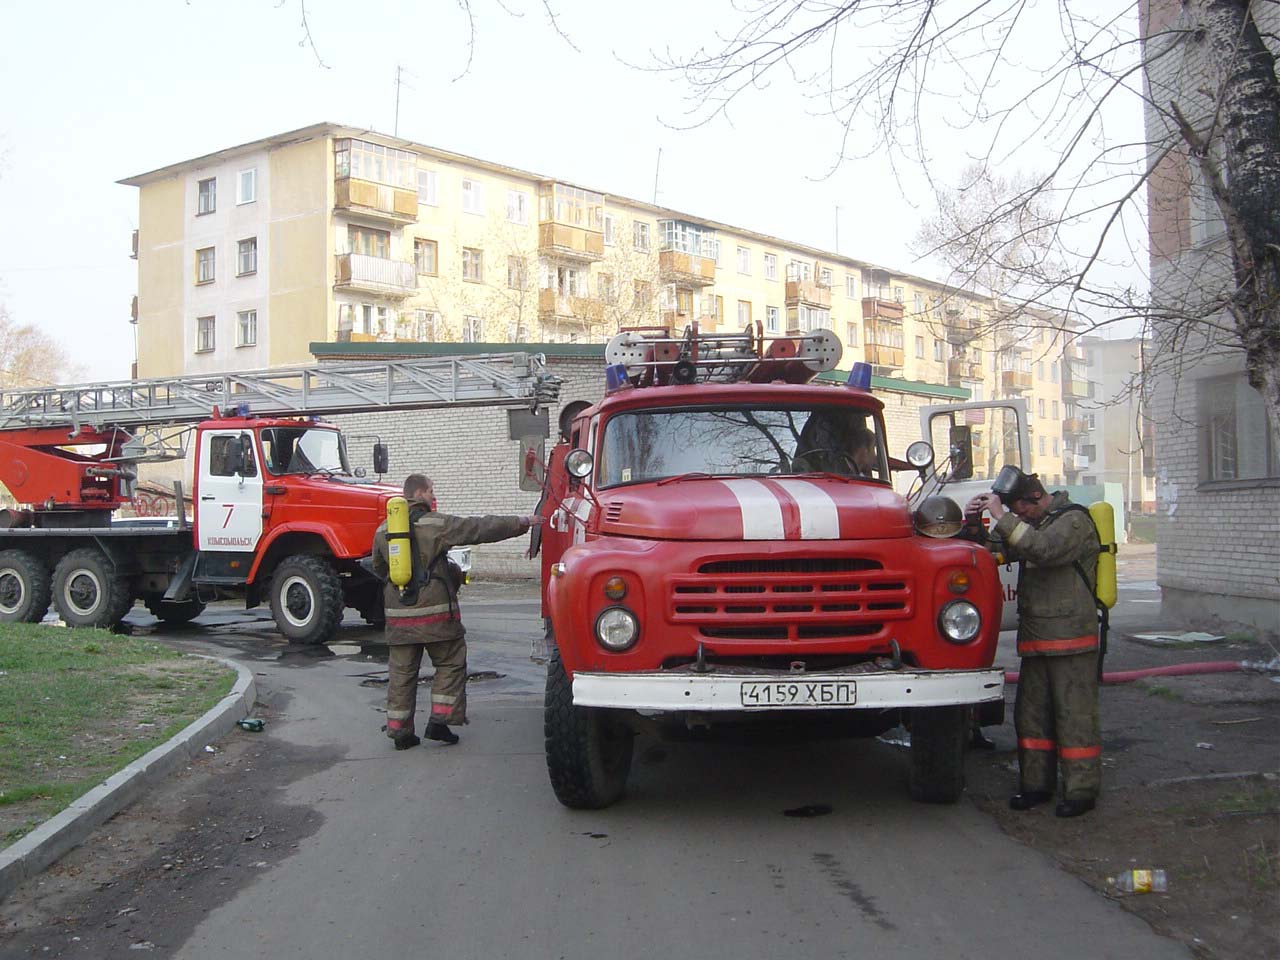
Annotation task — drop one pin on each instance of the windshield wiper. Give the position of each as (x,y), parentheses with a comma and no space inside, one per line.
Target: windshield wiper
(695,475)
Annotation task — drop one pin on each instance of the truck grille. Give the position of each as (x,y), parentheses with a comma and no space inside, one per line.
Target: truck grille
(770,598)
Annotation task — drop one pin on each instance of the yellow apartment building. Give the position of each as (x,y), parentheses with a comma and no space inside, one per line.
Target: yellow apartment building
(328,233)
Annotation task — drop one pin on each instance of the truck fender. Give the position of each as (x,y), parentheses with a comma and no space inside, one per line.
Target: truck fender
(267,542)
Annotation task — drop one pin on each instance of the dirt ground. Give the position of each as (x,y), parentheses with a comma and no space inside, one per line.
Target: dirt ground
(1190,785)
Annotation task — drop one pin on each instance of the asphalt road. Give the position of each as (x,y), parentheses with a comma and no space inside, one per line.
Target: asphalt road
(463,852)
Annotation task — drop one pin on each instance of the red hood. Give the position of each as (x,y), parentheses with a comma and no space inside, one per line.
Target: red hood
(766,508)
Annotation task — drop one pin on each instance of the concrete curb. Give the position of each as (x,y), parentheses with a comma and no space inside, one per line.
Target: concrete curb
(68,829)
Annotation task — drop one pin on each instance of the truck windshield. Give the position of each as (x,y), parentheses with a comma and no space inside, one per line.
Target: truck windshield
(304,450)
(656,444)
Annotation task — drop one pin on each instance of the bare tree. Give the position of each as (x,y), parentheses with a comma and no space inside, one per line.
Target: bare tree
(29,357)
(907,76)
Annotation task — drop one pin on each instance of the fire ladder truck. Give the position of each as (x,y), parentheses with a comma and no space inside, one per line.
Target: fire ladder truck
(278,513)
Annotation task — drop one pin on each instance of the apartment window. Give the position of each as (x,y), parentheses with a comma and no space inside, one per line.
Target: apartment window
(1053,370)
(205,265)
(1055,410)
(517,333)
(977,392)
(206,196)
(1040,369)
(1040,408)
(1053,445)
(744,313)
(806,318)
(975,312)
(472,196)
(771,266)
(472,264)
(744,260)
(899,295)
(369,242)
(246,328)
(605,289)
(427,188)
(204,334)
(610,230)
(366,318)
(1237,438)
(851,334)
(517,206)
(917,303)
(517,273)
(247,186)
(799,270)
(640,236)
(771,316)
(642,293)
(977,356)
(472,330)
(937,307)
(920,348)
(426,257)
(247,257)
(425,323)
(851,287)
(1043,451)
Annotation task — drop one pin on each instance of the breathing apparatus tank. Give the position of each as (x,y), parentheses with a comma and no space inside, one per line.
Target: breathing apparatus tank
(399,551)
(1104,519)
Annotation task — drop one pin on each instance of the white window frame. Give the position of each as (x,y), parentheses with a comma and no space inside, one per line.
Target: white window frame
(472,329)
(938,355)
(427,188)
(610,229)
(250,195)
(212,263)
(249,244)
(850,286)
(210,325)
(824,276)
(212,183)
(919,348)
(518,207)
(918,303)
(744,261)
(246,328)
(472,196)
(425,243)
(771,266)
(472,265)
(772,318)
(851,334)
(641,238)
(744,313)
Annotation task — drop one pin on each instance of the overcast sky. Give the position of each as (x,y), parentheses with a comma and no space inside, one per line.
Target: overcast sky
(95,92)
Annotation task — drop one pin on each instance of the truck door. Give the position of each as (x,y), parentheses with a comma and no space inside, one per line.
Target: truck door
(229,511)
(971,442)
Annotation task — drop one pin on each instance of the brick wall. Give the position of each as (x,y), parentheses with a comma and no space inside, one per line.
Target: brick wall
(1218,545)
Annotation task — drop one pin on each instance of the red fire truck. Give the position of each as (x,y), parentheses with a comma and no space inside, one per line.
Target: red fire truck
(280,516)
(724,549)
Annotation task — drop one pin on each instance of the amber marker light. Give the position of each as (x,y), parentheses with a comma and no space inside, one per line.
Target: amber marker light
(958,582)
(615,588)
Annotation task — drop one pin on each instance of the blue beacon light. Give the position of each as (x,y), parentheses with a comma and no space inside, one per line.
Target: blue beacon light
(615,378)
(860,376)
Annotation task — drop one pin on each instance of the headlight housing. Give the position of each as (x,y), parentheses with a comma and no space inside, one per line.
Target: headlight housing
(960,621)
(617,629)
(939,517)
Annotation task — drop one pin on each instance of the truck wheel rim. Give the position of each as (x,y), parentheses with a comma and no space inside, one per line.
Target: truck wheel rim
(83,592)
(297,601)
(13,590)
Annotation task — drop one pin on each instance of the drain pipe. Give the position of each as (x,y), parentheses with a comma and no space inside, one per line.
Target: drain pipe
(1181,670)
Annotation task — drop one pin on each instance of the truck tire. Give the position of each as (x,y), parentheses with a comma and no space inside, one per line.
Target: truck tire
(175,612)
(306,598)
(88,591)
(588,749)
(25,587)
(938,739)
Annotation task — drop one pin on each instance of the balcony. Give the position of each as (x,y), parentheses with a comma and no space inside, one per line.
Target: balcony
(380,201)
(1075,388)
(884,356)
(813,292)
(961,329)
(873,308)
(686,269)
(1015,381)
(1074,462)
(563,306)
(960,368)
(358,272)
(570,243)
(134,254)
(1074,425)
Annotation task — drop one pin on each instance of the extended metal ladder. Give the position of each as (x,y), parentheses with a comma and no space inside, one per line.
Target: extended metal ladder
(503,379)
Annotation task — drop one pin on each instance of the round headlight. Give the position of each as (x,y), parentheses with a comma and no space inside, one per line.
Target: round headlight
(959,621)
(920,455)
(939,517)
(578,462)
(617,629)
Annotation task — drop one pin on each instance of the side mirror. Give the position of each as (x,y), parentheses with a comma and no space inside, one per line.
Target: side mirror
(234,462)
(381,458)
(960,440)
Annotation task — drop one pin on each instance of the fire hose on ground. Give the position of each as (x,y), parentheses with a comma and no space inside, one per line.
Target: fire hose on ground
(1181,670)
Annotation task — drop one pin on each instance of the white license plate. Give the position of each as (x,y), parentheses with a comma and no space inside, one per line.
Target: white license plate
(799,693)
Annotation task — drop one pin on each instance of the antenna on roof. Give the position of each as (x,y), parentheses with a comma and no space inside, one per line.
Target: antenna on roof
(656,167)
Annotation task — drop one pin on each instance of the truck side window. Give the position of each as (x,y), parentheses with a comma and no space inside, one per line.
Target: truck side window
(220,464)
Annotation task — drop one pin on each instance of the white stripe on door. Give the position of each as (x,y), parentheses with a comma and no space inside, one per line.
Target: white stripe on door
(761,511)
(819,519)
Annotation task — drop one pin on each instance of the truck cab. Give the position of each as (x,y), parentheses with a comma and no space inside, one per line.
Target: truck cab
(721,550)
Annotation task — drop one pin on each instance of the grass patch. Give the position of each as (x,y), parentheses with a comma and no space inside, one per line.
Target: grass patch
(78,705)
(1163,692)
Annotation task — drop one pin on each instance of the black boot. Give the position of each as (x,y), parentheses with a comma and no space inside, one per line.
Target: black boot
(1028,799)
(401,734)
(405,741)
(439,731)
(980,741)
(1075,806)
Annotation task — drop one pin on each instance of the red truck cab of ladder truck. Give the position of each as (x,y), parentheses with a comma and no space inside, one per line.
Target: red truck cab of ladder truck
(723,546)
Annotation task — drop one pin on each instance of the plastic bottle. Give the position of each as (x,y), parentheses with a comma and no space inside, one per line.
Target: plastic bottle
(1140,881)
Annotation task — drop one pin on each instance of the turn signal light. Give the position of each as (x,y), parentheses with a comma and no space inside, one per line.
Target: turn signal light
(615,588)
(958,582)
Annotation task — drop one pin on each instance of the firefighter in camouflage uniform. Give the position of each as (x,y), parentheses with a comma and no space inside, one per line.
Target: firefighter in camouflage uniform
(1056,711)
(426,617)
